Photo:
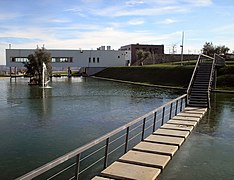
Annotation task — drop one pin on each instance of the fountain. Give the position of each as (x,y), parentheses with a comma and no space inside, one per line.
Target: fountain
(45,77)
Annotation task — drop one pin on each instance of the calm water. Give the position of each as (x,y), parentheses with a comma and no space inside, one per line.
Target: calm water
(37,125)
(209,151)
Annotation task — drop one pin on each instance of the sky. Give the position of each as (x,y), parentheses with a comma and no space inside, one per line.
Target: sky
(88,24)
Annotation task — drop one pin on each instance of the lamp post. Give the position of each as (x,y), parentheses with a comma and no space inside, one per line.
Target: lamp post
(182,48)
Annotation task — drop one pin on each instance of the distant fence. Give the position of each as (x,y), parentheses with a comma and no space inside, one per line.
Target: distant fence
(88,160)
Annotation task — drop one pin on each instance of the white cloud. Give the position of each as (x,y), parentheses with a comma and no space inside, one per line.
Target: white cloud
(58,20)
(8,16)
(168,21)
(134,2)
(118,11)
(201,2)
(136,22)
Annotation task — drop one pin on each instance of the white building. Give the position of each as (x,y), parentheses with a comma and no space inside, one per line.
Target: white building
(92,60)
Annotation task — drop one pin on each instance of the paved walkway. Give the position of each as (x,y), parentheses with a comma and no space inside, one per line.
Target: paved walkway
(148,158)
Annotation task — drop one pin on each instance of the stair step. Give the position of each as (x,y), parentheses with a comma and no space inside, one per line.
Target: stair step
(199,90)
(200,96)
(197,97)
(200,87)
(197,102)
(198,105)
(201,83)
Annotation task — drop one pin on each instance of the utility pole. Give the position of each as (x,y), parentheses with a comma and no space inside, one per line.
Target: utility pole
(182,48)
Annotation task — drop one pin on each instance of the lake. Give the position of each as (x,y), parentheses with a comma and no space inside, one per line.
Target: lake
(38,125)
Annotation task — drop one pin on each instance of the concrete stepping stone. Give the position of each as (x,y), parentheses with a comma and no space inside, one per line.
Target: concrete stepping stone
(165,139)
(195,109)
(186,118)
(120,170)
(195,112)
(178,127)
(100,178)
(188,114)
(170,132)
(156,148)
(145,159)
(183,122)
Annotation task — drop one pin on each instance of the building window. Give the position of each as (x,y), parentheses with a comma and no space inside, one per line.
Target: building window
(61,59)
(89,59)
(94,60)
(19,59)
(98,60)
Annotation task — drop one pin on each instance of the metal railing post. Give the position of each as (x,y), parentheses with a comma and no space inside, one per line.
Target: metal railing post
(181,104)
(170,110)
(176,107)
(126,140)
(77,169)
(143,129)
(163,116)
(106,153)
(155,119)
(186,101)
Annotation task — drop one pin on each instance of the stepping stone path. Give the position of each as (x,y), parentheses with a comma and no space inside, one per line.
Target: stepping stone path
(148,158)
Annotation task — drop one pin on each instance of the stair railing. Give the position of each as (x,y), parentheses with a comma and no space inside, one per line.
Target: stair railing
(219,61)
(210,81)
(193,76)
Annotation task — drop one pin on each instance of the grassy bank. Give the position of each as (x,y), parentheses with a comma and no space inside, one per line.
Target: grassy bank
(166,75)
(225,79)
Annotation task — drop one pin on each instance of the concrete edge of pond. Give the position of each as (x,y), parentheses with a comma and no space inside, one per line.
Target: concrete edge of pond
(139,83)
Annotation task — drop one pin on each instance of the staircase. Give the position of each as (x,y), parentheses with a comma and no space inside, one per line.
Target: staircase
(200,83)
(199,90)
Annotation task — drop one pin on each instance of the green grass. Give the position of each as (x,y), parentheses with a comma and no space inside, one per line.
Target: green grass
(166,74)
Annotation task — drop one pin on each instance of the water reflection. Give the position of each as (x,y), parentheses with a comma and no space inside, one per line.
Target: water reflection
(208,152)
(38,125)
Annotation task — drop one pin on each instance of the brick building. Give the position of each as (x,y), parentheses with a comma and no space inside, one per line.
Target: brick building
(155,49)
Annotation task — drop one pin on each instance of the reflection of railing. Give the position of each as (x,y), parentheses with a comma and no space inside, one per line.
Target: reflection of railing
(124,137)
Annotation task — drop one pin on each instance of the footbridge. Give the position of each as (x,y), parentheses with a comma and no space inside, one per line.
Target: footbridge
(142,148)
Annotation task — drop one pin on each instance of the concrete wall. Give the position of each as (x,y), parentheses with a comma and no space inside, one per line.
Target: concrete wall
(80,58)
(165,58)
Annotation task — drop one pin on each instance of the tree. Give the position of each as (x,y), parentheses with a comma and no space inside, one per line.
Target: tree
(209,49)
(35,64)
(142,55)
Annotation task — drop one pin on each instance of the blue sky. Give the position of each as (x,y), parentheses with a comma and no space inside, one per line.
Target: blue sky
(88,24)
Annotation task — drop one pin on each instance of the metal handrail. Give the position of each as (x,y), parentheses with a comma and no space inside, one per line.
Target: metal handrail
(78,151)
(210,81)
(222,61)
(194,71)
(193,75)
